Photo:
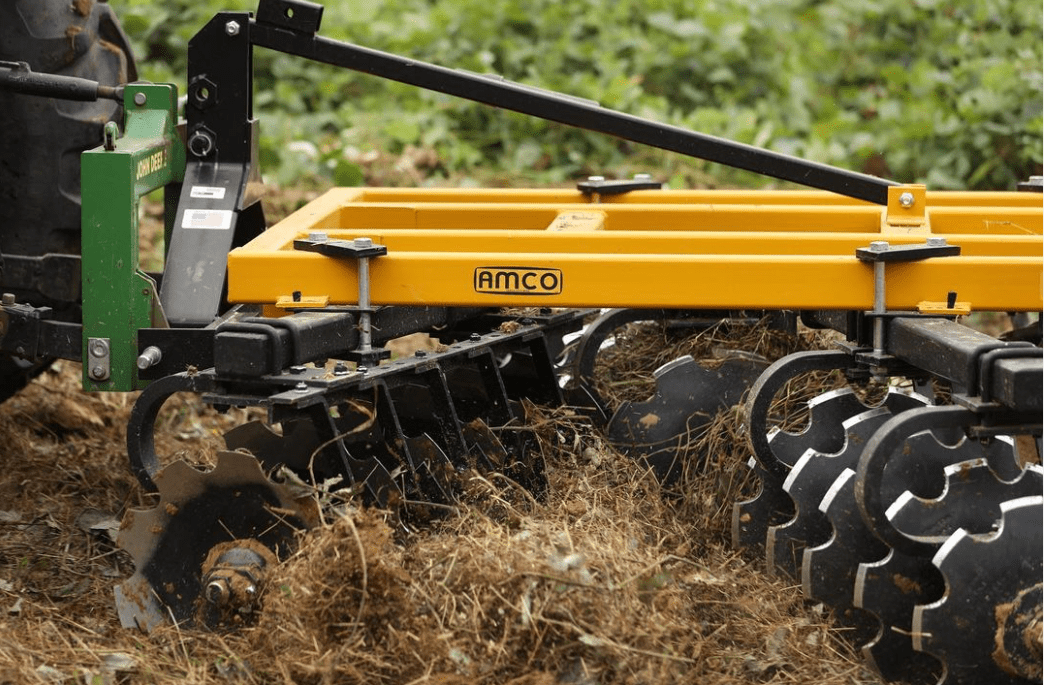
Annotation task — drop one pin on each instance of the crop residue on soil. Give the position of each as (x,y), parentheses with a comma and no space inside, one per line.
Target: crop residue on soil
(610,579)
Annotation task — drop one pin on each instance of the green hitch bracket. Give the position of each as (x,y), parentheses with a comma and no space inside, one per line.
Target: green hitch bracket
(118,297)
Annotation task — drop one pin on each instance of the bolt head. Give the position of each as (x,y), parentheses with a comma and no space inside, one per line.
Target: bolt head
(595,179)
(201,144)
(643,177)
(879,246)
(97,372)
(218,592)
(936,241)
(318,236)
(362,242)
(906,200)
(232,28)
(140,99)
(301,387)
(420,353)
(7,299)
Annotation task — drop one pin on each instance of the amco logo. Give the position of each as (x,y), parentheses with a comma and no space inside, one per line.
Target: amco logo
(517,280)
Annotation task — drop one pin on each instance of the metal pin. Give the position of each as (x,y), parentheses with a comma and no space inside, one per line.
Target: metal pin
(109,135)
(149,357)
(365,334)
(879,297)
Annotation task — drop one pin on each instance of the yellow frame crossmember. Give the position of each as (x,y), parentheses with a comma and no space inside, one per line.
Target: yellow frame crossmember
(681,249)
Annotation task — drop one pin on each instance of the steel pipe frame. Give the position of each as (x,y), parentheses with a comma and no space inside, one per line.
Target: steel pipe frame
(691,249)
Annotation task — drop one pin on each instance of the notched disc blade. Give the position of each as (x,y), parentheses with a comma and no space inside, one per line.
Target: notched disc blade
(294,448)
(807,483)
(196,512)
(980,627)
(687,397)
(825,433)
(828,571)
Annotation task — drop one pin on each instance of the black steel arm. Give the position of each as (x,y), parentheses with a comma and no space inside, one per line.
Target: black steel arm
(19,78)
(290,26)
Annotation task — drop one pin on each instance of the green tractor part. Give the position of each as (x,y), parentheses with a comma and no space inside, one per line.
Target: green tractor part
(118,297)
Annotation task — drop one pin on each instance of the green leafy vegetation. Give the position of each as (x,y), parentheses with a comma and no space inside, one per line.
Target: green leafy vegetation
(917,91)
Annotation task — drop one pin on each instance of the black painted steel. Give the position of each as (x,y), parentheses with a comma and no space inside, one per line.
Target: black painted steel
(896,254)
(1011,373)
(32,333)
(583,392)
(181,349)
(765,388)
(17,77)
(141,439)
(663,429)
(983,629)
(596,186)
(498,92)
(219,204)
(397,432)
(885,444)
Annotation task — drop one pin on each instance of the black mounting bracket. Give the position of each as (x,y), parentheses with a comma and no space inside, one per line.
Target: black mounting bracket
(596,185)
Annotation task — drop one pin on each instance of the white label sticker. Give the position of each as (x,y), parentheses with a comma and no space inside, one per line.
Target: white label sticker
(207,192)
(207,218)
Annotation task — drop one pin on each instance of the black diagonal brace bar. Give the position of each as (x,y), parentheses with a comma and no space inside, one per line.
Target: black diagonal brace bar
(492,90)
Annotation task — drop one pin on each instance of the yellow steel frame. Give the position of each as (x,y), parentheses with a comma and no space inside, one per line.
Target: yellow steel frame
(684,249)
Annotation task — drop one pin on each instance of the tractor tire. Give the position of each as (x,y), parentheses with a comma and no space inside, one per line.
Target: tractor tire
(40,144)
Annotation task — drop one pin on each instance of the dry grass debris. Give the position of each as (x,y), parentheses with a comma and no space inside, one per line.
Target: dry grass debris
(611,579)
(600,584)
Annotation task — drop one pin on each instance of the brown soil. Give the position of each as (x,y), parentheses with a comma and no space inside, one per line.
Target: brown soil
(609,580)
